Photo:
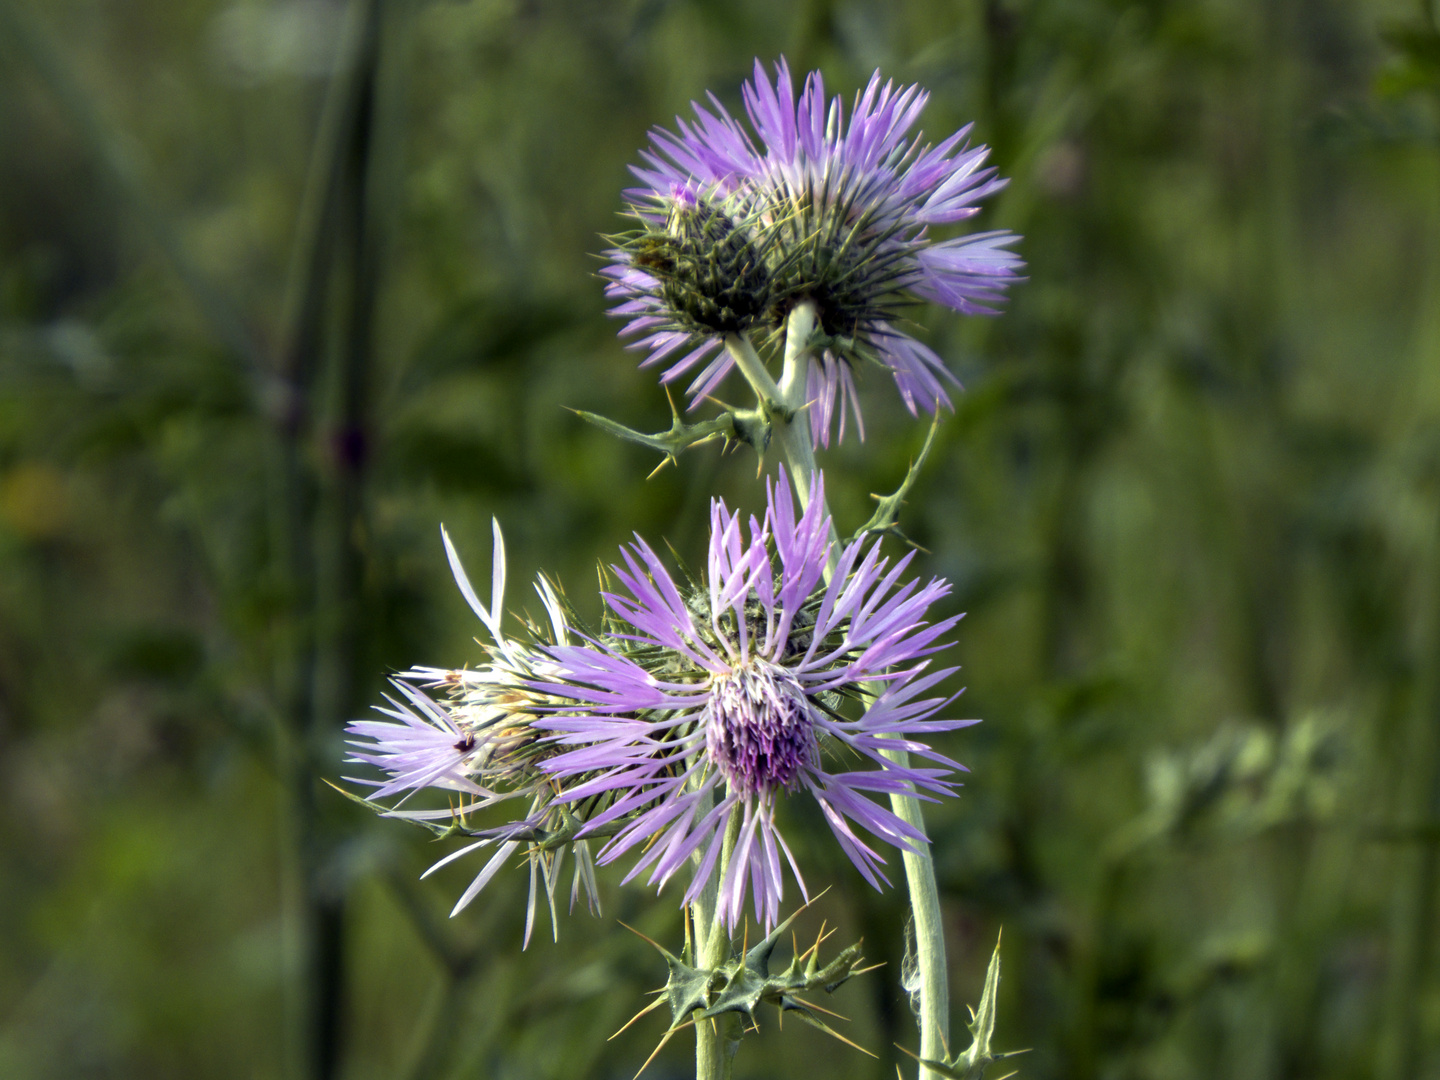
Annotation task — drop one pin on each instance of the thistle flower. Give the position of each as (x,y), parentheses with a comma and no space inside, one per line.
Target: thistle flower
(729,696)
(482,744)
(737,230)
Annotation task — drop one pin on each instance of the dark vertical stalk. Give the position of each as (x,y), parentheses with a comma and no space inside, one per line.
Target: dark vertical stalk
(1002,36)
(285,394)
(1299,907)
(1412,939)
(1271,585)
(316,517)
(315,514)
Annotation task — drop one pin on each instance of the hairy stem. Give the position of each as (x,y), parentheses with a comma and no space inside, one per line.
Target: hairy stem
(787,406)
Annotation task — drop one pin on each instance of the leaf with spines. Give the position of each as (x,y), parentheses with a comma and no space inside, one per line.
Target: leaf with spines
(743,983)
(886,518)
(687,988)
(750,426)
(749,983)
(971,1065)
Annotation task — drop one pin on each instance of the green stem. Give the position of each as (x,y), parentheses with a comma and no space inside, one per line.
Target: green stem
(715,1042)
(786,404)
(787,407)
(753,368)
(929,932)
(791,419)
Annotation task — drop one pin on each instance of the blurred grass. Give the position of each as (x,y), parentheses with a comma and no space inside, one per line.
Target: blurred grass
(1189,501)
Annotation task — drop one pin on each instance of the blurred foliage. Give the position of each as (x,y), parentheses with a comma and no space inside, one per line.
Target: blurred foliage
(286,283)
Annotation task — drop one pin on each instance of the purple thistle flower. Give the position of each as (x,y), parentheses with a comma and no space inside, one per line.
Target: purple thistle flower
(482,744)
(723,698)
(737,230)
(478,735)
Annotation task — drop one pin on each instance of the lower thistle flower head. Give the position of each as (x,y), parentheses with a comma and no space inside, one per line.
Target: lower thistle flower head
(718,700)
(738,229)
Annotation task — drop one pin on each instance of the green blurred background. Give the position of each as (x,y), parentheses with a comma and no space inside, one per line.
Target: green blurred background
(284,284)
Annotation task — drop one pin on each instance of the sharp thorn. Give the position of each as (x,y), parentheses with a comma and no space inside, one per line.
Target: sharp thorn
(660,1046)
(648,1008)
(848,1042)
(821,1008)
(641,936)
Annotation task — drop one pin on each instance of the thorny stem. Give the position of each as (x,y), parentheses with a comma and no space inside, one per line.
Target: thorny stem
(787,407)
(715,1043)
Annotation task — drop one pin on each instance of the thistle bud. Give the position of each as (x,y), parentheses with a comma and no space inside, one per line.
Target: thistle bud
(711,273)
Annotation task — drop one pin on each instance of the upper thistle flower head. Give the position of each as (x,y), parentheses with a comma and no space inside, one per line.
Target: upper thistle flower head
(739,227)
(717,700)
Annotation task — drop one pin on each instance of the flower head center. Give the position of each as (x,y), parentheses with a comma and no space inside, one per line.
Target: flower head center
(758,728)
